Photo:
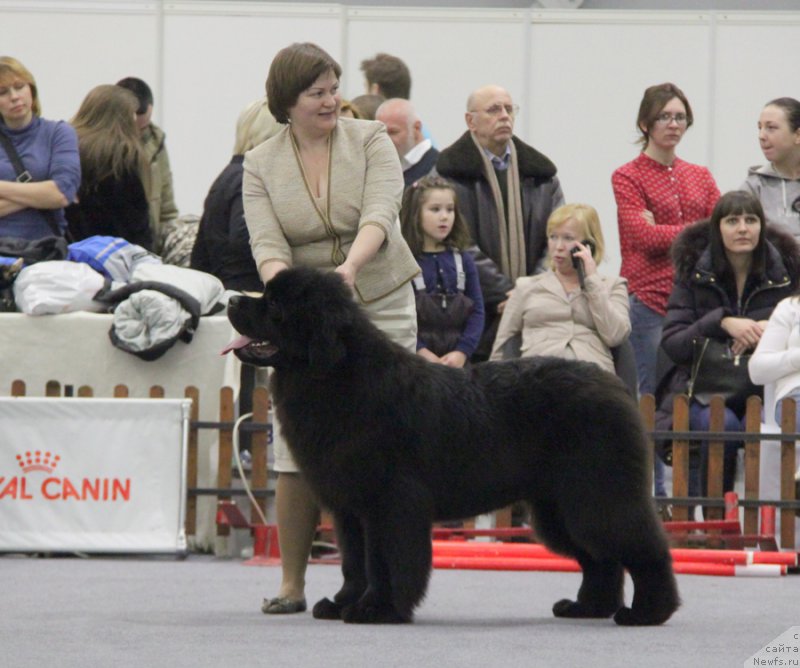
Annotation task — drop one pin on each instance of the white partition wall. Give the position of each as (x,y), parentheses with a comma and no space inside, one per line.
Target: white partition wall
(449,52)
(578,75)
(754,56)
(587,81)
(70,47)
(216,59)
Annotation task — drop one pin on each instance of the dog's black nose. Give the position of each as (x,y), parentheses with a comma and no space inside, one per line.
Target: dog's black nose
(233,302)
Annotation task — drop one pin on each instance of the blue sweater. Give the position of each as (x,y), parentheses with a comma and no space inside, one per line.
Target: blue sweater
(442,266)
(49,151)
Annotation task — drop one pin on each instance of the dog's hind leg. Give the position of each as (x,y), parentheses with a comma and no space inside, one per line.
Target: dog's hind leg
(634,540)
(601,591)
(655,592)
(399,557)
(350,538)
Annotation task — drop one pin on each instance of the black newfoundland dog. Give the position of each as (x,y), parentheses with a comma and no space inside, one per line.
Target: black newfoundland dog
(392,443)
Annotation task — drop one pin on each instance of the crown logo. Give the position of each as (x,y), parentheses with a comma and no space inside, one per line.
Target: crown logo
(37,460)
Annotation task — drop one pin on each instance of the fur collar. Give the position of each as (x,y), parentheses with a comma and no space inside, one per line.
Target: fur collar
(690,252)
(461,160)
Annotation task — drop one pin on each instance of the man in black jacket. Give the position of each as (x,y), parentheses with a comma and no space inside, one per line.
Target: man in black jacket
(506,191)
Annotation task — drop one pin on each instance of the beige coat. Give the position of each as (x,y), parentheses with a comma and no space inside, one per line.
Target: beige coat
(584,327)
(287,223)
(160,198)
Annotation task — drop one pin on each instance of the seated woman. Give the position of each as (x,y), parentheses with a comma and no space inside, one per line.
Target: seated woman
(731,271)
(222,246)
(777,356)
(776,361)
(555,314)
(32,208)
(112,199)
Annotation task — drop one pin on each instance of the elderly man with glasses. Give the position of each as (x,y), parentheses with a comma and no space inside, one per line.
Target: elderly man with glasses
(506,192)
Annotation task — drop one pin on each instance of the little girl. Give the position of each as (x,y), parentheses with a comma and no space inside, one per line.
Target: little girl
(449,302)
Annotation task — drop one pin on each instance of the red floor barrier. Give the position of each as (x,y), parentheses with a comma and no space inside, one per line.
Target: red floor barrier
(536,550)
(559,564)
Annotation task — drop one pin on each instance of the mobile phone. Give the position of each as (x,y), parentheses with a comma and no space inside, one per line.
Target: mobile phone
(576,260)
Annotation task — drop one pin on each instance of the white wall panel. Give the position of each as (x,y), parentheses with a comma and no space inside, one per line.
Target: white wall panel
(756,58)
(216,59)
(587,80)
(577,74)
(449,52)
(72,47)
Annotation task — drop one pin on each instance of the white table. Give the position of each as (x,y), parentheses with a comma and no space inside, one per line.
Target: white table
(75,349)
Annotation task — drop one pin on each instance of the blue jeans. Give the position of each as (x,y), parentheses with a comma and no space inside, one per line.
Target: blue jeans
(698,421)
(646,338)
(779,406)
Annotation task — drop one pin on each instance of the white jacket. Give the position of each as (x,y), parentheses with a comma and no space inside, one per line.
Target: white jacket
(777,356)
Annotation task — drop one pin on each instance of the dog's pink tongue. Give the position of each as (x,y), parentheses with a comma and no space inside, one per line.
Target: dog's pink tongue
(238,342)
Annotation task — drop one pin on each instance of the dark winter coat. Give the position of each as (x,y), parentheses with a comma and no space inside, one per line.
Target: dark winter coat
(113,207)
(424,167)
(699,302)
(462,165)
(222,246)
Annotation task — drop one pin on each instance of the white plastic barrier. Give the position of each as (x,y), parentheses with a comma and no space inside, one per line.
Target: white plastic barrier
(93,475)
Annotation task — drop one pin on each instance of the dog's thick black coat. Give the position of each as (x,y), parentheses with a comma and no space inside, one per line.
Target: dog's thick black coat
(392,443)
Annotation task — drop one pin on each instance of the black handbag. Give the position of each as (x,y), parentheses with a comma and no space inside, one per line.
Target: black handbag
(37,250)
(34,250)
(716,370)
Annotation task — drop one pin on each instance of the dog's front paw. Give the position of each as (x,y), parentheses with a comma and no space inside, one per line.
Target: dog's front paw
(574,609)
(366,611)
(327,609)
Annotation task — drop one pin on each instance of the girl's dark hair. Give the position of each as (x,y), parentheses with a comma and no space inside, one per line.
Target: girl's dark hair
(411,215)
(791,108)
(735,203)
(295,68)
(655,98)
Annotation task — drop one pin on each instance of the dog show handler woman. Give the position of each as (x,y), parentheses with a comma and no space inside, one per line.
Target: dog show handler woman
(324,192)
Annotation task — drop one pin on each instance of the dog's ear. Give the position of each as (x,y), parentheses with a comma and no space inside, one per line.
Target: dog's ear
(326,348)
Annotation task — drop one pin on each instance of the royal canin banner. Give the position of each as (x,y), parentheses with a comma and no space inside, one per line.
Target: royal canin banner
(93,475)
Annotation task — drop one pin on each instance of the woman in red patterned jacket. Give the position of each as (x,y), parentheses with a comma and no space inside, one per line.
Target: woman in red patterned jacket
(657,195)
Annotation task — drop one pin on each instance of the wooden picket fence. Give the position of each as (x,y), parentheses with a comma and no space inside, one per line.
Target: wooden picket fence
(258,426)
(716,437)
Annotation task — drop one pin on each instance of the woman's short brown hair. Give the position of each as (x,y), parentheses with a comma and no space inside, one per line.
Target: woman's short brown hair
(294,69)
(655,98)
(10,70)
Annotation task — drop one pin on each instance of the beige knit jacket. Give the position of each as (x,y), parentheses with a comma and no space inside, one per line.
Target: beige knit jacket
(287,223)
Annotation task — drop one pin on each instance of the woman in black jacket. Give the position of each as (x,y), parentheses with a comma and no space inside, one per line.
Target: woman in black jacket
(112,199)
(730,273)
(222,246)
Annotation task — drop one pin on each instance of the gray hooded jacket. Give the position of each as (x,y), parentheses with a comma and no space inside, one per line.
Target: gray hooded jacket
(779,196)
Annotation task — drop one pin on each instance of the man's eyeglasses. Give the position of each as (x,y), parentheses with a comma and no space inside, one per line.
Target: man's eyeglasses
(666,119)
(497,109)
